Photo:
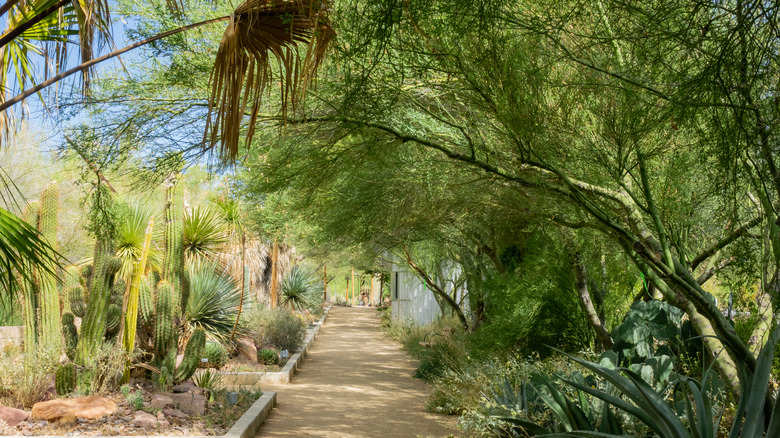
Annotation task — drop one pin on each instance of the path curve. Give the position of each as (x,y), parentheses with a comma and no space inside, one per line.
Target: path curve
(354,382)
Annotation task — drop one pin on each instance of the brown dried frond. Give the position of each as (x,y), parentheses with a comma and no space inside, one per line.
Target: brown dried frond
(259,32)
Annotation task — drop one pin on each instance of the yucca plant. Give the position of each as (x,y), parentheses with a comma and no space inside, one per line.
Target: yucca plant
(213,300)
(300,289)
(205,233)
(131,231)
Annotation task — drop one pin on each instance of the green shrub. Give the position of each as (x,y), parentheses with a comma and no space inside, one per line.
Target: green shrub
(208,379)
(216,354)
(277,328)
(267,356)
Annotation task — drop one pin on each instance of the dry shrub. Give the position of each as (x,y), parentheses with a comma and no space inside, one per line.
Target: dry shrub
(26,378)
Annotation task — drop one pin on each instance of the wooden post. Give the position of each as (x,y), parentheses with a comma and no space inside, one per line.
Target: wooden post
(371,302)
(352,277)
(325,283)
(274,259)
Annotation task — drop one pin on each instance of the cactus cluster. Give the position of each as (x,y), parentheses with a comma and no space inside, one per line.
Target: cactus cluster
(65,379)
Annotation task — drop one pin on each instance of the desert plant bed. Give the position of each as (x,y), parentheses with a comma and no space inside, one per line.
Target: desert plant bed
(137,409)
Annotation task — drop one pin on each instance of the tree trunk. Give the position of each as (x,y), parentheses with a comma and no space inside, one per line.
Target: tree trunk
(602,335)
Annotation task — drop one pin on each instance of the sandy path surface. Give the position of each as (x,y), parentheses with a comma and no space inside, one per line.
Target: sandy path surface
(354,382)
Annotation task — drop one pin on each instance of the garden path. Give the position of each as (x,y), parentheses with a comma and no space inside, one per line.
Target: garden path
(354,382)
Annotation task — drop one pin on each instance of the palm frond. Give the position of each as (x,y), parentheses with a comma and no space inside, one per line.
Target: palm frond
(261,31)
(22,249)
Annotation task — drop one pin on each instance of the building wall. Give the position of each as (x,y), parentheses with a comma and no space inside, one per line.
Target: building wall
(411,299)
(11,335)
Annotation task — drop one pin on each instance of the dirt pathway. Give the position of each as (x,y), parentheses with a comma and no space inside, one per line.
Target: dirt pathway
(354,382)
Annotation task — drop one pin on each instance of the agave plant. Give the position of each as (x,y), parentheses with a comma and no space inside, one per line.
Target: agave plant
(213,300)
(686,411)
(299,289)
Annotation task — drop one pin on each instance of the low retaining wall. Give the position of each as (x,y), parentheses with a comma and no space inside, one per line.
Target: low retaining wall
(11,334)
(252,381)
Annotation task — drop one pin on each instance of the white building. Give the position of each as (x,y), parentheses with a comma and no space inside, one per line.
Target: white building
(411,299)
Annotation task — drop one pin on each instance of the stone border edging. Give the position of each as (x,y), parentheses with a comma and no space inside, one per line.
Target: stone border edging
(235,380)
(245,427)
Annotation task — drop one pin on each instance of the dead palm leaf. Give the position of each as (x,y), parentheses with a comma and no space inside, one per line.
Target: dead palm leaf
(259,32)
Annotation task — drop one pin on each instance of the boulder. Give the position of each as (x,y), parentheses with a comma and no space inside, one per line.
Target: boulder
(12,416)
(247,349)
(161,401)
(184,387)
(148,421)
(176,416)
(91,407)
(192,404)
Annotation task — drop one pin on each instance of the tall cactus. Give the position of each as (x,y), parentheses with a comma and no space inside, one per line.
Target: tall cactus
(146,300)
(29,290)
(174,250)
(131,309)
(165,331)
(71,279)
(105,266)
(50,329)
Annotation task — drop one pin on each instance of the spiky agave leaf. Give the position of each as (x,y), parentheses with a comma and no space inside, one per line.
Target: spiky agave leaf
(212,302)
(259,32)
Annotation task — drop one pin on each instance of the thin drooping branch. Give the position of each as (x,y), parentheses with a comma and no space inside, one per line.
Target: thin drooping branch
(83,66)
(435,288)
(736,234)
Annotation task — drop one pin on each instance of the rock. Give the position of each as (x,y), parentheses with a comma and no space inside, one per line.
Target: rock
(144,420)
(184,387)
(175,416)
(12,416)
(247,348)
(160,401)
(91,407)
(191,403)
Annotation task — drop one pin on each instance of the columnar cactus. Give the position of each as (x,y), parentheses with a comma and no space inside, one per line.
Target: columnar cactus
(76,298)
(145,300)
(70,333)
(113,318)
(50,332)
(165,331)
(192,354)
(71,279)
(93,325)
(29,290)
(65,379)
(174,250)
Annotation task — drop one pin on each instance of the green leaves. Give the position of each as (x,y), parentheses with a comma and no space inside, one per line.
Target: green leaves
(22,249)
(212,301)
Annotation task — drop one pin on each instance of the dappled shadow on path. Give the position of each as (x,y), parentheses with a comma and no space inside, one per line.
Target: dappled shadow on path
(354,383)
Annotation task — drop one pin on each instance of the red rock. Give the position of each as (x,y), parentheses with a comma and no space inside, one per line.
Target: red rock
(12,416)
(191,403)
(91,407)
(161,401)
(246,347)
